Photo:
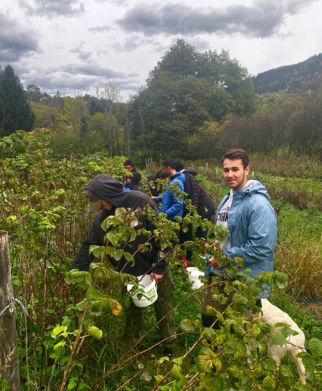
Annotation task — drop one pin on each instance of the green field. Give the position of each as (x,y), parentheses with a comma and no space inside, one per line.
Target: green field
(38,108)
(75,341)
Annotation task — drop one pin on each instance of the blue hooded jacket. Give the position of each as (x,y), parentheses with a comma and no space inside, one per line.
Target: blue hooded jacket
(252,226)
(170,203)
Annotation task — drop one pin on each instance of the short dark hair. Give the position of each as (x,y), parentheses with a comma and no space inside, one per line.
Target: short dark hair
(234,154)
(168,163)
(128,162)
(160,175)
(178,166)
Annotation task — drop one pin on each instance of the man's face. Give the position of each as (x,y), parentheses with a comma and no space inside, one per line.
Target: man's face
(128,167)
(235,174)
(167,170)
(106,205)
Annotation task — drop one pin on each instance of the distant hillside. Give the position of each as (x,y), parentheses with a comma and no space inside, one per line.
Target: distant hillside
(302,76)
(38,108)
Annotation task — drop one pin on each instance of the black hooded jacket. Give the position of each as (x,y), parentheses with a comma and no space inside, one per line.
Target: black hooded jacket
(110,190)
(197,194)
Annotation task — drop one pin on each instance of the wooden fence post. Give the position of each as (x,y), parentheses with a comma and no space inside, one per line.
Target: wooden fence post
(9,365)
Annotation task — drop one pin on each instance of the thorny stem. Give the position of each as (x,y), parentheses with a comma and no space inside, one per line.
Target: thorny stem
(160,381)
(187,385)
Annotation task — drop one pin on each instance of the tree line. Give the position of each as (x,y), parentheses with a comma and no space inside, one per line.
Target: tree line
(194,105)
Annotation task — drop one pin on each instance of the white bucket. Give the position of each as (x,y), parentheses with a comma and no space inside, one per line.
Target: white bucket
(194,274)
(150,291)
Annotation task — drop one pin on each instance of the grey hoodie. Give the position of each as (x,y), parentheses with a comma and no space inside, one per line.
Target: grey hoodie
(110,190)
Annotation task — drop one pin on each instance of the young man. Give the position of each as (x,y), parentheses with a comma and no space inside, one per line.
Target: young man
(171,205)
(251,222)
(129,165)
(105,194)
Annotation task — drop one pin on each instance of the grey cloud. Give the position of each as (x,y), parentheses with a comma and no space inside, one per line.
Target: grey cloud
(118,2)
(99,29)
(131,43)
(15,41)
(51,8)
(66,82)
(95,70)
(82,55)
(85,55)
(261,20)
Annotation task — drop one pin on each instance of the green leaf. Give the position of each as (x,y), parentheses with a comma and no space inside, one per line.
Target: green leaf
(93,294)
(59,345)
(207,351)
(266,328)
(204,364)
(95,332)
(316,347)
(176,372)
(239,262)
(211,383)
(118,254)
(209,334)
(188,325)
(308,362)
(285,371)
(112,238)
(287,331)
(58,330)
(279,339)
(280,279)
(128,257)
(97,251)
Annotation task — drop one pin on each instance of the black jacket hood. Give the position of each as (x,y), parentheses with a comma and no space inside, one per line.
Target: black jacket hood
(111,190)
(190,170)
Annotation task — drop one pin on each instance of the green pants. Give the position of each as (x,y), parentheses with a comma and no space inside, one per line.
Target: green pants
(162,306)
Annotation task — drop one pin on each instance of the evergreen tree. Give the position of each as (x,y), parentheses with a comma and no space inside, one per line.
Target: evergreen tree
(15,110)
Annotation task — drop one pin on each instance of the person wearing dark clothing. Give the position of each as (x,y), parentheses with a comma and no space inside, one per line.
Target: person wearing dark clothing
(105,195)
(156,188)
(200,199)
(132,182)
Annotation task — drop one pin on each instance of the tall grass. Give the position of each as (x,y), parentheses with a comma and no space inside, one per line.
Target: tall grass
(302,262)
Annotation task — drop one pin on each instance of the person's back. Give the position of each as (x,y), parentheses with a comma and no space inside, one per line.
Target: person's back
(170,202)
(196,193)
(172,205)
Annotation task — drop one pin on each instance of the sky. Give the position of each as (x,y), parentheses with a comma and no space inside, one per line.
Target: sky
(77,46)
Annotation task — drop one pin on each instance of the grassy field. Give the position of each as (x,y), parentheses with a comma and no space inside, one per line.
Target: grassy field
(38,108)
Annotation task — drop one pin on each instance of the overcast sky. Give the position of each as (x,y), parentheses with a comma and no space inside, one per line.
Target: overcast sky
(78,45)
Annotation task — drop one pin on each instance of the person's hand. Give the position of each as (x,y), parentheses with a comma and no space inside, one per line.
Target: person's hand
(154,198)
(63,288)
(157,277)
(214,263)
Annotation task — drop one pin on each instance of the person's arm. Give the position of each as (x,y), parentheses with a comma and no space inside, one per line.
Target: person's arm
(262,232)
(83,259)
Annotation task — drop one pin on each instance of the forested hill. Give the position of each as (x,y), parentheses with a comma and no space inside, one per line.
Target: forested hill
(302,76)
